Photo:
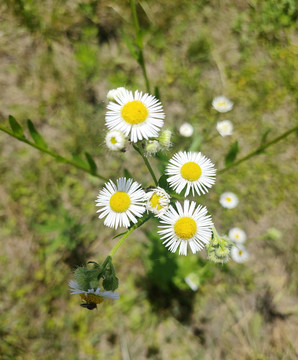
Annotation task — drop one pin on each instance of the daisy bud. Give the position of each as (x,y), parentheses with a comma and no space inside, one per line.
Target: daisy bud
(219,248)
(165,139)
(152,147)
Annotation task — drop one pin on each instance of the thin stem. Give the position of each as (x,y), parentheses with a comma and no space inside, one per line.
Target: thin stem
(139,43)
(135,15)
(145,218)
(143,66)
(259,150)
(146,163)
(58,157)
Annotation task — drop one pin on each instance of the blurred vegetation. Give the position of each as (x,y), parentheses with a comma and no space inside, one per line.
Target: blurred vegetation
(58,60)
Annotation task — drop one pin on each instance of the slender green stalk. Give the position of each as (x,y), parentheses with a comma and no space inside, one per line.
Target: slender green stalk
(139,43)
(145,218)
(58,157)
(146,163)
(258,150)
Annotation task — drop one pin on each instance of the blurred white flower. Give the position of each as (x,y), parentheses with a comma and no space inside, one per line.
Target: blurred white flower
(225,127)
(222,104)
(239,253)
(186,129)
(228,200)
(237,235)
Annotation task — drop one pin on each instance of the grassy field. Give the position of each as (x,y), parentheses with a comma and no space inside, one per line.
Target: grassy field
(58,61)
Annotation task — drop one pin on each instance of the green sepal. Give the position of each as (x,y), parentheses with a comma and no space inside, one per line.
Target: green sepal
(110,283)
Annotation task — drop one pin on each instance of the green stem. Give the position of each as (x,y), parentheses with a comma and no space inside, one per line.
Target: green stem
(145,218)
(146,163)
(58,157)
(139,43)
(259,150)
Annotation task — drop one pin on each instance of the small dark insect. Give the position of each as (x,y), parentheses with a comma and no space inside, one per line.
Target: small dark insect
(89,305)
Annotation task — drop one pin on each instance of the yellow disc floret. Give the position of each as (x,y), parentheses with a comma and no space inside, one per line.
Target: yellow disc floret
(134,112)
(92,298)
(191,171)
(155,203)
(113,140)
(228,199)
(185,228)
(120,201)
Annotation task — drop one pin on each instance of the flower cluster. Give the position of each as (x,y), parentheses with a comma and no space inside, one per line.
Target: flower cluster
(137,119)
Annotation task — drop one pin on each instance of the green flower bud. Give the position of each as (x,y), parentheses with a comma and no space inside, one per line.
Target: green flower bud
(165,139)
(152,147)
(110,283)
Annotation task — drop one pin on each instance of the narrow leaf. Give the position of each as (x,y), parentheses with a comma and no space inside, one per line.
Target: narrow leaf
(195,145)
(231,155)
(91,162)
(156,92)
(79,160)
(15,126)
(127,174)
(264,137)
(38,139)
(162,182)
(118,235)
(131,47)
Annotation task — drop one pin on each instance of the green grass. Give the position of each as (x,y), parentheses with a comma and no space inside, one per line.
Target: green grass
(58,60)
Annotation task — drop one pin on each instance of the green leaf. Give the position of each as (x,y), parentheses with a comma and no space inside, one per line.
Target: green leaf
(38,139)
(91,162)
(130,45)
(162,182)
(16,127)
(156,92)
(139,39)
(264,137)
(118,235)
(79,161)
(127,174)
(231,155)
(195,145)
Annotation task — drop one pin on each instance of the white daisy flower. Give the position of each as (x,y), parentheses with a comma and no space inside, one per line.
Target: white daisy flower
(239,253)
(188,225)
(121,203)
(228,200)
(193,281)
(237,235)
(225,127)
(114,92)
(186,129)
(158,201)
(115,140)
(92,295)
(191,170)
(222,104)
(136,115)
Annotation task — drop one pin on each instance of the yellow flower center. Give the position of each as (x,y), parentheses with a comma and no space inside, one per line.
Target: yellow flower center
(154,201)
(240,252)
(134,112)
(221,103)
(185,228)
(191,171)
(228,199)
(91,298)
(113,140)
(237,236)
(119,201)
